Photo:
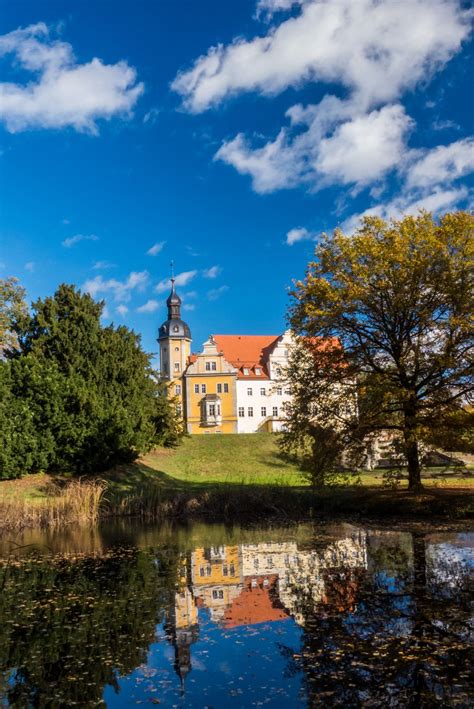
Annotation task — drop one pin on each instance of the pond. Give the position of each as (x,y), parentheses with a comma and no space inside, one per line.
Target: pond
(213,616)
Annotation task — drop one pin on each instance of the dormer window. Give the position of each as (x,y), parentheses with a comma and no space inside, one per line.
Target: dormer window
(258,371)
(246,371)
(175,328)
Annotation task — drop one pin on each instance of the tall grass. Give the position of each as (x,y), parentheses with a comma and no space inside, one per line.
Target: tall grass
(78,501)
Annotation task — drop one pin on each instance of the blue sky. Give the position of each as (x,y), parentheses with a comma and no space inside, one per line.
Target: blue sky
(226,135)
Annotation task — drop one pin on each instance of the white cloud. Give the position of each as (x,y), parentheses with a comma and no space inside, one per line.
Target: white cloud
(62,93)
(445,125)
(437,201)
(66,221)
(330,150)
(442,164)
(151,116)
(182,279)
(216,293)
(149,307)
(73,240)
(189,307)
(122,310)
(212,272)
(156,248)
(267,8)
(121,290)
(298,234)
(375,48)
(364,149)
(102,265)
(30,266)
(189,294)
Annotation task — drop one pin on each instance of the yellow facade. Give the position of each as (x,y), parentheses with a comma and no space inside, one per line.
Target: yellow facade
(176,352)
(213,566)
(210,393)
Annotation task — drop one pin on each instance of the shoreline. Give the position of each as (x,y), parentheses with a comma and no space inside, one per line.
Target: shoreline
(93,502)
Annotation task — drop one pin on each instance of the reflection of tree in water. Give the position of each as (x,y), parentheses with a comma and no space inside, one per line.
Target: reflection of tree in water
(70,627)
(381,639)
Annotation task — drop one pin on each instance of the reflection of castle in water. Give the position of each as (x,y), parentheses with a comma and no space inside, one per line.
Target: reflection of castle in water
(248,584)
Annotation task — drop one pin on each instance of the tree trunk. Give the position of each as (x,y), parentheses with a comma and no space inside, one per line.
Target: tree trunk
(411,449)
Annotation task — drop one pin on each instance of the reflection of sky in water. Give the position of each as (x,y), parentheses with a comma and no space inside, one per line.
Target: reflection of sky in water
(237,667)
(241,623)
(450,562)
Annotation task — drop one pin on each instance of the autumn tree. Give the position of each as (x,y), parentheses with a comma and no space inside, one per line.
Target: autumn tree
(398,296)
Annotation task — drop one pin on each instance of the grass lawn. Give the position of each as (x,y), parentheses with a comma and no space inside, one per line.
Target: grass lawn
(245,459)
(233,475)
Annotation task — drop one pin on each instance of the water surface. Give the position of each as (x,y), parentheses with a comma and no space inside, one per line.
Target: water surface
(209,616)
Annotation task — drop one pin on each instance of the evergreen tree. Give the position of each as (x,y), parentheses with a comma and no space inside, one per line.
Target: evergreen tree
(86,395)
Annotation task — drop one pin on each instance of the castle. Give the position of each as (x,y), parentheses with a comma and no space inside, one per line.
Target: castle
(232,386)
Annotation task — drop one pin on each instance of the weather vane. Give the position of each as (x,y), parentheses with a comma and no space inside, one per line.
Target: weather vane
(172,270)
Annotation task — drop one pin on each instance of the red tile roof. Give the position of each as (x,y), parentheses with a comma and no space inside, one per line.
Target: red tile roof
(248,351)
(255,605)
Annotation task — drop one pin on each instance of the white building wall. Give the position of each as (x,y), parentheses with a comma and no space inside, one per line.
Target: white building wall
(272,400)
(256,400)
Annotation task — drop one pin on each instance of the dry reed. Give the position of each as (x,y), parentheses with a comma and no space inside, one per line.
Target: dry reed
(77,502)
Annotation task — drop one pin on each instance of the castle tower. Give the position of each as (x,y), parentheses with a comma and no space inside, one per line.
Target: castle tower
(174,339)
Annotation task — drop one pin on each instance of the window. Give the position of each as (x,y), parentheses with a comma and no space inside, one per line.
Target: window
(263,391)
(178,410)
(226,388)
(258,371)
(177,389)
(250,412)
(217,594)
(211,366)
(208,366)
(279,391)
(219,388)
(275,410)
(249,391)
(176,349)
(203,388)
(256,562)
(232,570)
(288,392)
(263,411)
(212,409)
(176,366)
(196,388)
(201,571)
(176,328)
(208,570)
(246,371)
(241,412)
(269,562)
(225,571)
